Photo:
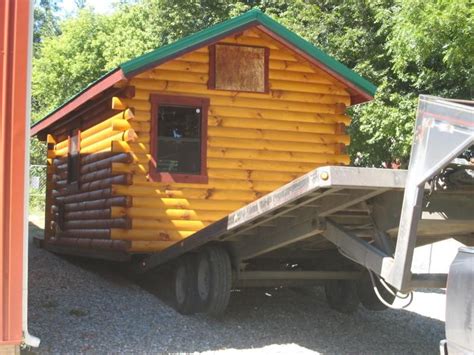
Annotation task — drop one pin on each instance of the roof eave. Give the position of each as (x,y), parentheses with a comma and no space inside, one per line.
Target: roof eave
(90,92)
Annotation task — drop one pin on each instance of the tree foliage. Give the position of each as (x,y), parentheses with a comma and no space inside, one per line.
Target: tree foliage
(431,45)
(406,47)
(45,22)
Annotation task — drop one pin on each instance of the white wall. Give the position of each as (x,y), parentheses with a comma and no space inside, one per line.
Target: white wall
(436,257)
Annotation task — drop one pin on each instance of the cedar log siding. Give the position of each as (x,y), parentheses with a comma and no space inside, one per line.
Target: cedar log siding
(256,143)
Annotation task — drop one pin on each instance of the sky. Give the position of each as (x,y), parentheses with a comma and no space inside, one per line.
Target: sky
(100,6)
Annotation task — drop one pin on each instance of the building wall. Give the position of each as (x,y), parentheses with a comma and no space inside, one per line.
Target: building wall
(15,49)
(82,216)
(256,142)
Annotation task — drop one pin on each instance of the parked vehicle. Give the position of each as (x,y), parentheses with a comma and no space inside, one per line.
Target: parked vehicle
(459,305)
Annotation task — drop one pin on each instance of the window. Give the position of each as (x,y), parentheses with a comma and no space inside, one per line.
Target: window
(74,158)
(238,68)
(179,139)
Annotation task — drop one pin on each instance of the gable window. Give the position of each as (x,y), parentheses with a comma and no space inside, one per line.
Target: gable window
(179,139)
(73,158)
(238,68)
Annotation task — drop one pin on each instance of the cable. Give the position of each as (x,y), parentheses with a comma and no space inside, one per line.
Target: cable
(381,299)
(400,295)
(384,284)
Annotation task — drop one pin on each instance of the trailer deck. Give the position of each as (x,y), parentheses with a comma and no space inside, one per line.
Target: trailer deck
(292,211)
(329,208)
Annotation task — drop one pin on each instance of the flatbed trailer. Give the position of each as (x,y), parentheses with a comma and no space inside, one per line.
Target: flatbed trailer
(329,208)
(355,229)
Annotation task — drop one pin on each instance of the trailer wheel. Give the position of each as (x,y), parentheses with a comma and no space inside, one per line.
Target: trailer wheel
(341,295)
(214,280)
(184,285)
(367,296)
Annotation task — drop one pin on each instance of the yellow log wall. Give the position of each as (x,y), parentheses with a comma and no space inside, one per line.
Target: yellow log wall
(256,142)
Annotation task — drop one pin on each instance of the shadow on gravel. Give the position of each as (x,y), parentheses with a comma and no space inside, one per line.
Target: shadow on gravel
(83,305)
(259,317)
(34,231)
(133,320)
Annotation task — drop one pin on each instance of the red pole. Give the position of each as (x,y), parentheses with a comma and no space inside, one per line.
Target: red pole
(14,103)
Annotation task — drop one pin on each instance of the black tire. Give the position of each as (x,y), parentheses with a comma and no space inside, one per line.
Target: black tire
(184,285)
(367,296)
(341,295)
(214,280)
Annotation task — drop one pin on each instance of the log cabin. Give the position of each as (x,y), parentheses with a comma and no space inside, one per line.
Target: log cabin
(176,139)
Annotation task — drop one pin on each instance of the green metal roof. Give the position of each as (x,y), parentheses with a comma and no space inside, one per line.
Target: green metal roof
(253,16)
(201,38)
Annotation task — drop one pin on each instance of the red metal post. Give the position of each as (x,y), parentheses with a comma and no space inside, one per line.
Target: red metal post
(14,61)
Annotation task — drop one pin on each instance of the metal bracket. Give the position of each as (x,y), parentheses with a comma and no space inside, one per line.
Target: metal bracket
(365,254)
(356,249)
(443,131)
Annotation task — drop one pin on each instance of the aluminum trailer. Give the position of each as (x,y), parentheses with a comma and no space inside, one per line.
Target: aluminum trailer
(355,229)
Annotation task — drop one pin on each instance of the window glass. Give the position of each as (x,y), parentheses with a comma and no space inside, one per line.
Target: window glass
(179,139)
(73,165)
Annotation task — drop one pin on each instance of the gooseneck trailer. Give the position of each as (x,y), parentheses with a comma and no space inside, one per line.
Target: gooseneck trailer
(353,228)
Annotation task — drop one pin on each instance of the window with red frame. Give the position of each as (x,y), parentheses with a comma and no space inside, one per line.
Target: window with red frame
(74,158)
(179,138)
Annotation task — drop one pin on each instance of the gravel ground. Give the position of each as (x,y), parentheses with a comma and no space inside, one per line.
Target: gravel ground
(83,306)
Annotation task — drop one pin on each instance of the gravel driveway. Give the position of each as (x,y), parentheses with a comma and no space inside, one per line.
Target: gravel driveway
(78,305)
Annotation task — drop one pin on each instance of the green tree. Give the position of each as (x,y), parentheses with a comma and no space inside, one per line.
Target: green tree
(69,61)
(46,22)
(45,25)
(431,44)
(427,49)
(139,28)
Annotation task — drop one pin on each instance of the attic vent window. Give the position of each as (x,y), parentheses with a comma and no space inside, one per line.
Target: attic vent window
(238,68)
(179,139)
